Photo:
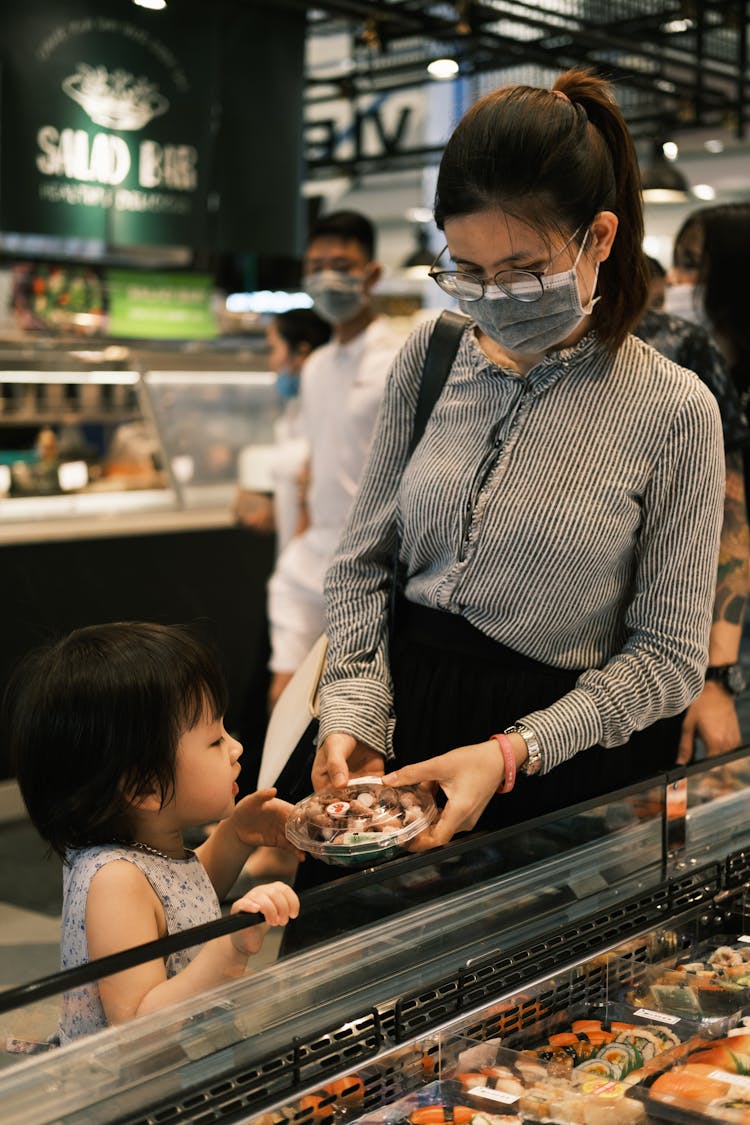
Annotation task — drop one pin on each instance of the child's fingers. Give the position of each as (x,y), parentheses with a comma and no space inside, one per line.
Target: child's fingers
(277,902)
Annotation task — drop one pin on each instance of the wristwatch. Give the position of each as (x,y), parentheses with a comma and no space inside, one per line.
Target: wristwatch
(730,676)
(533,763)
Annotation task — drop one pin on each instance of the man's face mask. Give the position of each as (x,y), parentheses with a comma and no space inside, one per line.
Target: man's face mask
(525,325)
(337,296)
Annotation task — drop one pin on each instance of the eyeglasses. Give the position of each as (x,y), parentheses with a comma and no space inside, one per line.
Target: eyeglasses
(521,285)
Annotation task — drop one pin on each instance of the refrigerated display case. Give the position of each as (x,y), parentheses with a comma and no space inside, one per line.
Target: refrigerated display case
(398,967)
(81,450)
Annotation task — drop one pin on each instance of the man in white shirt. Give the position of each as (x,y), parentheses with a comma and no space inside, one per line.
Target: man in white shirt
(341,389)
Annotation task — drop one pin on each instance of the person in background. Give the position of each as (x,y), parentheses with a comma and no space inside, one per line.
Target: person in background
(559,521)
(341,391)
(712,717)
(292,336)
(118,739)
(711,252)
(657,284)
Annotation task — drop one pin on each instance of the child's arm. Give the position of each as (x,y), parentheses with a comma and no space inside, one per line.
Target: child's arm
(257,819)
(123,910)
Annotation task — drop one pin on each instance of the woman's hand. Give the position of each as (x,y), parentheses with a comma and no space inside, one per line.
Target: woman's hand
(261,817)
(342,756)
(277,902)
(712,717)
(469,776)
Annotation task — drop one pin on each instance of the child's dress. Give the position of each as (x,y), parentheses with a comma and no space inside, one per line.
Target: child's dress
(185,892)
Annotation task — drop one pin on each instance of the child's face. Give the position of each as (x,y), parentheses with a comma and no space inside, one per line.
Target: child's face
(206,772)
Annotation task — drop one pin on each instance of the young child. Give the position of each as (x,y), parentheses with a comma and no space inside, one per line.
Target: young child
(118,738)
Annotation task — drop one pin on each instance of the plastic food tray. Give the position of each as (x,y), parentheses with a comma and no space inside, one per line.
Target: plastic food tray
(366,822)
(709,1084)
(692,987)
(567,1069)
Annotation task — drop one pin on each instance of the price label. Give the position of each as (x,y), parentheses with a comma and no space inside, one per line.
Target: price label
(733,1079)
(495,1095)
(659,1017)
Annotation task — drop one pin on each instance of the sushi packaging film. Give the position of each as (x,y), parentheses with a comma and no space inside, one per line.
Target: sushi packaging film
(709,983)
(710,1083)
(366,822)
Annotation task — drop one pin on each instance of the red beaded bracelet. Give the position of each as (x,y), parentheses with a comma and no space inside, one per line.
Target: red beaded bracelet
(509,758)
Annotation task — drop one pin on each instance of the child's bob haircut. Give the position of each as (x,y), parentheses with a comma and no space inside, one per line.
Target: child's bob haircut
(94,720)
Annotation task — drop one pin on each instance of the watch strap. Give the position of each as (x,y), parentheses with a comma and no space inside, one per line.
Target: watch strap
(533,763)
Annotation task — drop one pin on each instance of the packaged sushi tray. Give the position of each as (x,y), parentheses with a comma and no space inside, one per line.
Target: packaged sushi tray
(365,822)
(708,983)
(710,1083)
(574,1072)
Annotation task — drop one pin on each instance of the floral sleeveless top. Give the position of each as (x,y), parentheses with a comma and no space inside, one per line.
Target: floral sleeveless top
(185,892)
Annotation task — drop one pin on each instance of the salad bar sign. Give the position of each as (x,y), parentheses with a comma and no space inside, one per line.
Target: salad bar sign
(104,136)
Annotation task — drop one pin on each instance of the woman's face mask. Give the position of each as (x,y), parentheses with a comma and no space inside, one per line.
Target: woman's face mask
(533,326)
(287,384)
(337,296)
(685,301)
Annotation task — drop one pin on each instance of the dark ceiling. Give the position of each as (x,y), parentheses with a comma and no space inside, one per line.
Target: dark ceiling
(679,64)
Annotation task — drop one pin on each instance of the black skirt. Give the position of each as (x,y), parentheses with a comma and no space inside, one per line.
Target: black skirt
(455,686)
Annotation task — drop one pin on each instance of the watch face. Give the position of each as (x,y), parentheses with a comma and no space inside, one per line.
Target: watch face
(735,679)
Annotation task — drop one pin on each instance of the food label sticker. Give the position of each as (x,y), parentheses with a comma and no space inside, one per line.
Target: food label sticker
(604,1089)
(660,1017)
(744,937)
(736,1031)
(496,1095)
(732,1079)
(338,808)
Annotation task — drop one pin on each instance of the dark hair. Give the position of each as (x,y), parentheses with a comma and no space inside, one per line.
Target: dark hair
(97,716)
(655,268)
(302,326)
(349,226)
(724,259)
(555,161)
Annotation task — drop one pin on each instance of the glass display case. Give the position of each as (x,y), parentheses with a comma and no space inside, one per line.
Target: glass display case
(95,446)
(211,424)
(394,965)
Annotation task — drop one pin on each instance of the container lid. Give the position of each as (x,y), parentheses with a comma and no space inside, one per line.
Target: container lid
(365,821)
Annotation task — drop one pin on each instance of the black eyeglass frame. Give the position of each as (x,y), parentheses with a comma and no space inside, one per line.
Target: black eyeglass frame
(437,275)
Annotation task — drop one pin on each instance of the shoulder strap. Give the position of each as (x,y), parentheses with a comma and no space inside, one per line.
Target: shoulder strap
(441,351)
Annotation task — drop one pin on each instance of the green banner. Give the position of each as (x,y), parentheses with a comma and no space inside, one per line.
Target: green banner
(105,122)
(171,306)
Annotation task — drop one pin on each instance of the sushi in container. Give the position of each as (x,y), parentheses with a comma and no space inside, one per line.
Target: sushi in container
(710,1084)
(363,823)
(709,983)
(575,1072)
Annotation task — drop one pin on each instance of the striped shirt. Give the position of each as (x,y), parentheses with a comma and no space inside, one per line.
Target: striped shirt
(572,514)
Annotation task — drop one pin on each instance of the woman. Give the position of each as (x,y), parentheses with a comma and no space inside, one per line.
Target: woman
(559,520)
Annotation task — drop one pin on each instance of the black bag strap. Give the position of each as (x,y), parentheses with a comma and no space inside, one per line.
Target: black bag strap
(441,351)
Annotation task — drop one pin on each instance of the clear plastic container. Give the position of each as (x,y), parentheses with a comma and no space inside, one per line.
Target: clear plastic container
(365,822)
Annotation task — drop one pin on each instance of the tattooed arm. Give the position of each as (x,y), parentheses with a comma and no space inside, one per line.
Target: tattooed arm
(713,717)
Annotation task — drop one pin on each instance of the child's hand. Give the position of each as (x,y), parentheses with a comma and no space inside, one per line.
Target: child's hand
(260,819)
(277,902)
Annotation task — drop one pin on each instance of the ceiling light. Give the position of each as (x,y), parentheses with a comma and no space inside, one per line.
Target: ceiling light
(670,150)
(419,215)
(662,182)
(418,263)
(673,27)
(704,191)
(443,68)
(154,5)
(713,145)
